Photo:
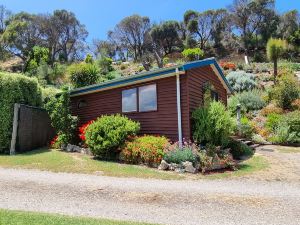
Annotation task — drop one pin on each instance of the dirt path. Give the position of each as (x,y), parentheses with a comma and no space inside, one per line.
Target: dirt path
(157,201)
(284,164)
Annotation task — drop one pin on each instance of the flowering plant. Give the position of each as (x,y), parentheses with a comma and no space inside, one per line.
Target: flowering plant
(82,130)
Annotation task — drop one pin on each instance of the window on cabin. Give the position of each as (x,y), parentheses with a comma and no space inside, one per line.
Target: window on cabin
(129,100)
(147,98)
(81,104)
(209,93)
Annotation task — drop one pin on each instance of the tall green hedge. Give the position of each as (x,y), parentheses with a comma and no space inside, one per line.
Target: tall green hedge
(15,88)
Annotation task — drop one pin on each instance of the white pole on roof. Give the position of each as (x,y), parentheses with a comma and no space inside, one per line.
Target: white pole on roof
(178,108)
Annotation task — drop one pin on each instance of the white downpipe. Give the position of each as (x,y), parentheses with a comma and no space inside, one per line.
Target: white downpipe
(178,108)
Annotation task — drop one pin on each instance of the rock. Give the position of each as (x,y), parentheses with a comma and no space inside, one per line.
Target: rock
(163,165)
(179,170)
(70,148)
(188,167)
(76,149)
(174,166)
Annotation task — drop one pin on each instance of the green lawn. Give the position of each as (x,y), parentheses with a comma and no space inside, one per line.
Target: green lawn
(58,161)
(30,218)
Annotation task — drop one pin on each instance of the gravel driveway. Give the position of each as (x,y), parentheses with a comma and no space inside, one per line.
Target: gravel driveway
(156,201)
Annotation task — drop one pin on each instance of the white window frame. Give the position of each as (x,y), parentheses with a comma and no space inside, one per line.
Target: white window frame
(140,99)
(136,101)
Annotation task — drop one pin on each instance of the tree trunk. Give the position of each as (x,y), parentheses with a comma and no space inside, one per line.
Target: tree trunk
(275,70)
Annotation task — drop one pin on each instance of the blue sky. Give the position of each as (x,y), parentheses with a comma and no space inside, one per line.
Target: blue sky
(99,16)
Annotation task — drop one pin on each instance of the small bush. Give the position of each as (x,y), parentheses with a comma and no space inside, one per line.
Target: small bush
(83,74)
(108,133)
(212,124)
(252,100)
(285,92)
(61,118)
(239,150)
(48,93)
(241,81)
(273,121)
(271,108)
(180,155)
(146,149)
(246,128)
(82,130)
(192,54)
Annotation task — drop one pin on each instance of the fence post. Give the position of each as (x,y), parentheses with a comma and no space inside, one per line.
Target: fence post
(15,129)
(238,117)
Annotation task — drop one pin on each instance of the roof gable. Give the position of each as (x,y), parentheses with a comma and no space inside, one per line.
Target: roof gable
(156,74)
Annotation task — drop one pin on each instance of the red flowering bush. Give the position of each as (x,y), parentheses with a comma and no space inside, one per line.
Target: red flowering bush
(53,142)
(82,130)
(146,149)
(228,65)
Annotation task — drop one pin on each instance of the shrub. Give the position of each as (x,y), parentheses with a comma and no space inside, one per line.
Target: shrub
(239,150)
(146,149)
(212,124)
(296,104)
(288,129)
(271,108)
(61,118)
(246,128)
(108,133)
(273,121)
(15,88)
(193,54)
(48,93)
(241,81)
(250,100)
(83,74)
(285,92)
(180,155)
(82,130)
(105,65)
(228,65)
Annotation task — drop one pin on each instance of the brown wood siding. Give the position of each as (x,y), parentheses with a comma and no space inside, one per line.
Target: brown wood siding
(162,122)
(196,78)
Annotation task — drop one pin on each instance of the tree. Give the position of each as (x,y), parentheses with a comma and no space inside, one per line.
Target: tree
(4,16)
(289,24)
(21,35)
(132,33)
(275,48)
(248,17)
(67,34)
(165,40)
(104,48)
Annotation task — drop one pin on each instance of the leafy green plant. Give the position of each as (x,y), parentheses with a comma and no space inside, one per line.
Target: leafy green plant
(15,88)
(288,129)
(241,81)
(83,74)
(146,149)
(285,92)
(239,150)
(108,133)
(192,54)
(273,121)
(61,118)
(105,65)
(246,128)
(212,124)
(251,100)
(180,155)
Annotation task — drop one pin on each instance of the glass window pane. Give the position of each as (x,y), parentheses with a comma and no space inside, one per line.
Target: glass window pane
(147,98)
(129,102)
